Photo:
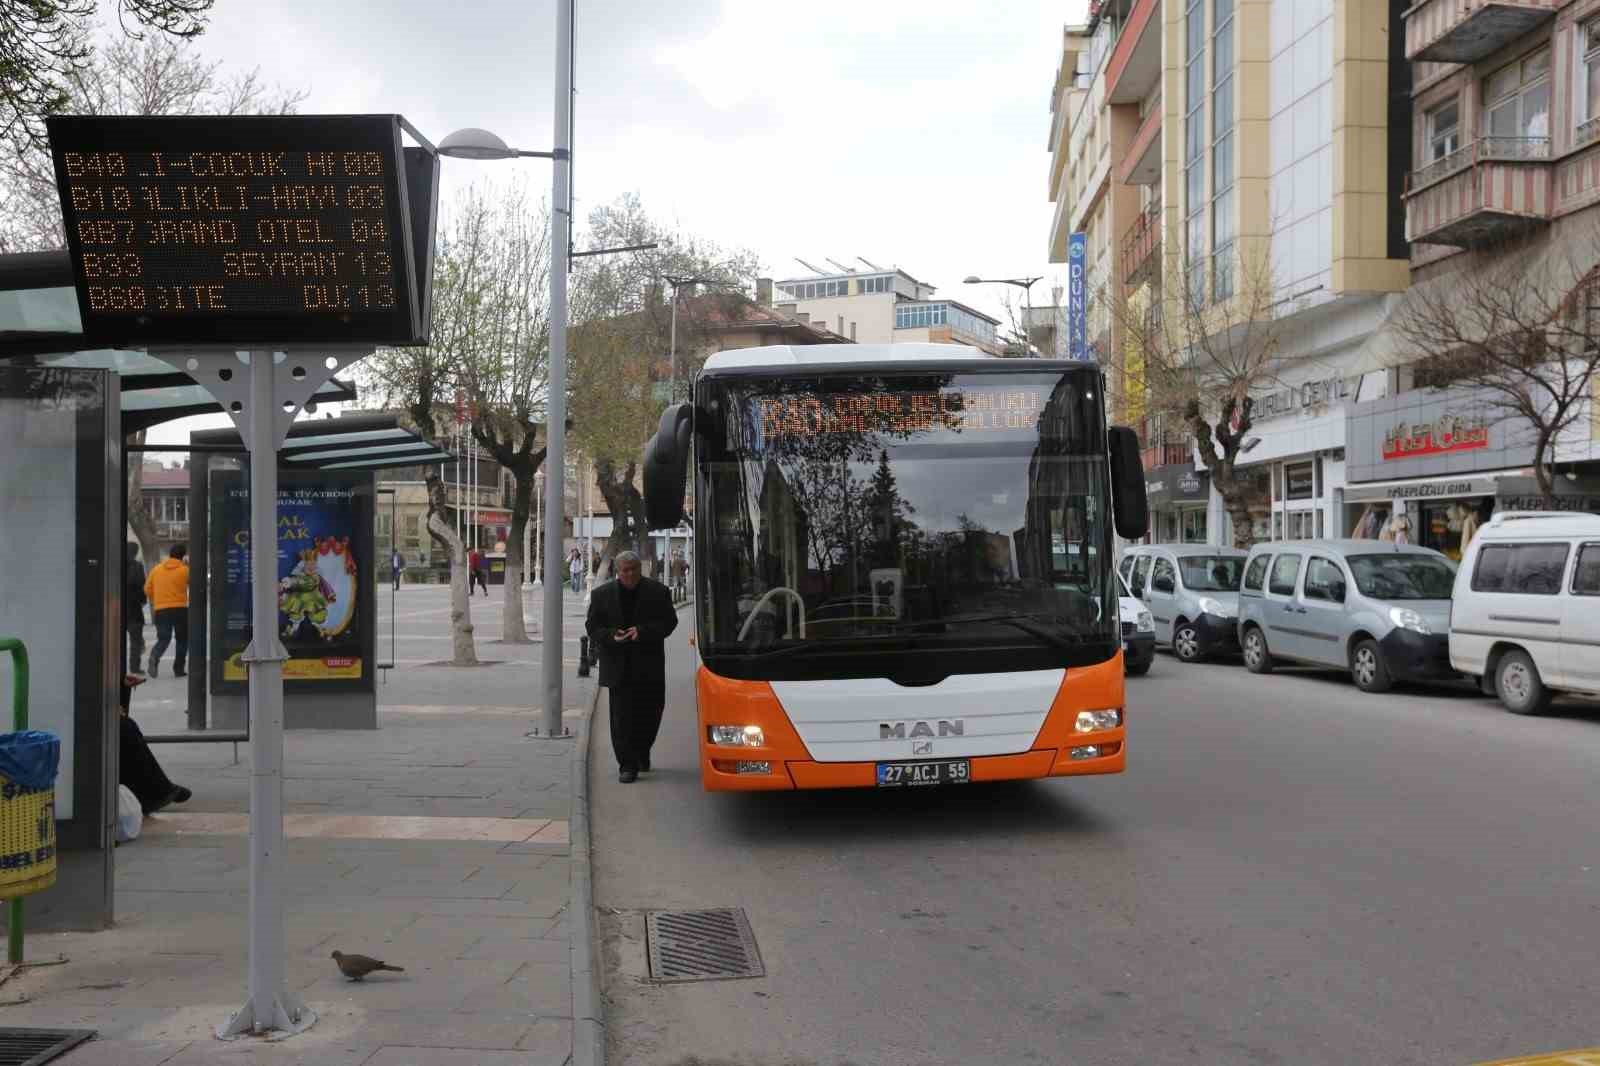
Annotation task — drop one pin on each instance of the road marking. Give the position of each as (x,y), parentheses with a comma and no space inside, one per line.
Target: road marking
(370,827)
(1580,1057)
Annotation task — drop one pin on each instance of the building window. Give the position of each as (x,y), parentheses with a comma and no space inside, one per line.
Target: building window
(1589,42)
(1516,111)
(1444,131)
(1222,93)
(1299,481)
(881,283)
(1194,146)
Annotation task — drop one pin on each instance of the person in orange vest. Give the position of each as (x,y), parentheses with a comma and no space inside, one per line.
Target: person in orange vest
(167,589)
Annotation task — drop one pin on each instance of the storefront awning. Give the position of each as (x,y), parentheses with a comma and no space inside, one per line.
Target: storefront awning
(354,442)
(1448,486)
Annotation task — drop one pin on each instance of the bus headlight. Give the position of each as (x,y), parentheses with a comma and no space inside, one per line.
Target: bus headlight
(1095,721)
(738,736)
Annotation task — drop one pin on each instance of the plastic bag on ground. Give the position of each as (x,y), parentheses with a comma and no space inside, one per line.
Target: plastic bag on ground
(130,817)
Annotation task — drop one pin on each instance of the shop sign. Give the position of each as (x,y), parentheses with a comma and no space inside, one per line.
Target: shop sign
(1304,397)
(1189,483)
(1445,435)
(1448,488)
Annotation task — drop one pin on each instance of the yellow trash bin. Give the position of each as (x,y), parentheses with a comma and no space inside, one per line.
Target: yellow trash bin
(27,839)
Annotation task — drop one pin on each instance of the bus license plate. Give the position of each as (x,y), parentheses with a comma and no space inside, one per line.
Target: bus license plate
(916,774)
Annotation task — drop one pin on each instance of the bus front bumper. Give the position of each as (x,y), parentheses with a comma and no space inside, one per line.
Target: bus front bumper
(718,773)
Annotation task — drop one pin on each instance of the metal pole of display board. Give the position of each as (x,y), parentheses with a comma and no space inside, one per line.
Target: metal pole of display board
(263,402)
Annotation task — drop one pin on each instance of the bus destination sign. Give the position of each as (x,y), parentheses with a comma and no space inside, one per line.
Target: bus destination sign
(249,229)
(966,410)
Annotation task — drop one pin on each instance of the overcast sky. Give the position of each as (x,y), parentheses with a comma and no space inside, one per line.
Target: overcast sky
(910,133)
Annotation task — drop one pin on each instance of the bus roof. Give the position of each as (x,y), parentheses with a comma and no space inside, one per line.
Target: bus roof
(835,355)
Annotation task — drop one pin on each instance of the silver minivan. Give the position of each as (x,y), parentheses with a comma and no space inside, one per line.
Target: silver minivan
(1192,591)
(1379,610)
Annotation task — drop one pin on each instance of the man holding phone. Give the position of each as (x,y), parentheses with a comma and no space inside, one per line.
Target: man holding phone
(629,622)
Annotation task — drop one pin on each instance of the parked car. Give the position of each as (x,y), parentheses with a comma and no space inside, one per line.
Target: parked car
(1138,634)
(1192,591)
(1379,610)
(1525,619)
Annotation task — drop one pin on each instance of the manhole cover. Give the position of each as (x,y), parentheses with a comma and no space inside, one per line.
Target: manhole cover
(701,945)
(35,1047)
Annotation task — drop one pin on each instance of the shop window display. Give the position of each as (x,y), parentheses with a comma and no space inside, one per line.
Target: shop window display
(1448,526)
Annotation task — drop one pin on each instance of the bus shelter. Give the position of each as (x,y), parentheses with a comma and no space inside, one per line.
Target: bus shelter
(68,413)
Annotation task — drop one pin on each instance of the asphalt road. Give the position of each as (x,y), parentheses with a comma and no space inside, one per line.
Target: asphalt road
(1289,872)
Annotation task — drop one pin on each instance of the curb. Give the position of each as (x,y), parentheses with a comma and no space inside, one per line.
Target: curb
(588,1011)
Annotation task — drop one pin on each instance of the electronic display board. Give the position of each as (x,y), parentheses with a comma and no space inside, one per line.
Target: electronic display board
(246,229)
(979,410)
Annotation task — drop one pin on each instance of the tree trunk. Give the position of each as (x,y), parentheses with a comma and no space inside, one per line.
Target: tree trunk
(463,651)
(139,520)
(514,625)
(1236,501)
(616,488)
(1542,472)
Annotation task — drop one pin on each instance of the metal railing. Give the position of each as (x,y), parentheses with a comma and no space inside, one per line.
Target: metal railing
(1141,242)
(1484,149)
(1587,131)
(1514,148)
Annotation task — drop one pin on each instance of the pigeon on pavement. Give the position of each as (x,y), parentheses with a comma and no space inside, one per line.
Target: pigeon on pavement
(356,967)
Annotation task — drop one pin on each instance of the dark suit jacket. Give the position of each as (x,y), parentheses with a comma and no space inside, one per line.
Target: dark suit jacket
(642,660)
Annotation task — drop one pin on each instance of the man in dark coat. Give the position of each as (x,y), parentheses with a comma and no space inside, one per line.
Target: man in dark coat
(629,622)
(133,601)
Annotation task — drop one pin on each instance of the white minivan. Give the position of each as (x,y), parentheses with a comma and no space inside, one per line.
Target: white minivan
(1525,616)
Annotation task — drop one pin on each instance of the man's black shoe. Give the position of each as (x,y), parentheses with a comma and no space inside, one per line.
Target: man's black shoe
(627,777)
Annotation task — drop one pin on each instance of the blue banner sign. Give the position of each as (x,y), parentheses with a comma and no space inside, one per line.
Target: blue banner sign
(1077,253)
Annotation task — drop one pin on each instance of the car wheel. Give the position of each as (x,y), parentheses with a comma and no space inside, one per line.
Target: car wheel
(1256,657)
(1367,668)
(1519,684)
(1186,642)
(1138,669)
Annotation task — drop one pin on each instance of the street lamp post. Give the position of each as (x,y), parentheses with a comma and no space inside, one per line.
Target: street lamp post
(1026,285)
(538,511)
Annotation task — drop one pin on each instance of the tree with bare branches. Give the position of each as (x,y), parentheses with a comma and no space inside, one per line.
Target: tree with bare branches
(1198,347)
(46,44)
(151,75)
(1516,328)
(622,319)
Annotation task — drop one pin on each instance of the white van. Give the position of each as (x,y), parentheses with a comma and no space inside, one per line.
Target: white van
(1525,616)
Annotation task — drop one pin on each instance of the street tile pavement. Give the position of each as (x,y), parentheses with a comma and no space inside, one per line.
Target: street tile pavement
(437,842)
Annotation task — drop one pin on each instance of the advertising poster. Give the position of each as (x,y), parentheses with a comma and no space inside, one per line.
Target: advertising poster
(320,590)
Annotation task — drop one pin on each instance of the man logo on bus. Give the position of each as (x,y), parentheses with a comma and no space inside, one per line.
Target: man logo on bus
(899,730)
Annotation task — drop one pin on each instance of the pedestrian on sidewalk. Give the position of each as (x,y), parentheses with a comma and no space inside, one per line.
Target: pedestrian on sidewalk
(629,622)
(397,563)
(475,573)
(133,601)
(167,589)
(575,570)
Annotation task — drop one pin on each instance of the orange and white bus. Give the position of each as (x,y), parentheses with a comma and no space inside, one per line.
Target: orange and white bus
(902,564)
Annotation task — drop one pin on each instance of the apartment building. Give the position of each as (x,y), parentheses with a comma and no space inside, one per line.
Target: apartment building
(1214,140)
(877,306)
(1504,175)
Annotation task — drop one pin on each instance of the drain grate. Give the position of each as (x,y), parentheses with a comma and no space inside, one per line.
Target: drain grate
(35,1047)
(702,945)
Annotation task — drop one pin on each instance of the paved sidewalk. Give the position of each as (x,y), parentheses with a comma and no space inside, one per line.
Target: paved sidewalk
(438,842)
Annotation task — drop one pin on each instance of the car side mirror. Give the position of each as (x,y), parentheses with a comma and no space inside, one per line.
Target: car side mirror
(1130,510)
(666,467)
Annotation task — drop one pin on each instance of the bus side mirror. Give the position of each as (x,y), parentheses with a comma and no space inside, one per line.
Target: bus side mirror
(666,468)
(1129,508)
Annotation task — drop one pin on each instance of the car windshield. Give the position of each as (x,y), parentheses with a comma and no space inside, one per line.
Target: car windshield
(847,512)
(1211,573)
(1402,577)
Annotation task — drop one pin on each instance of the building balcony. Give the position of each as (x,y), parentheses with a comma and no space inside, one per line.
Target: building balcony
(1141,164)
(1159,455)
(1492,189)
(1141,246)
(1134,67)
(1465,31)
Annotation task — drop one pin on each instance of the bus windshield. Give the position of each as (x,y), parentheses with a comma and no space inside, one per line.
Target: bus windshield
(905,515)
